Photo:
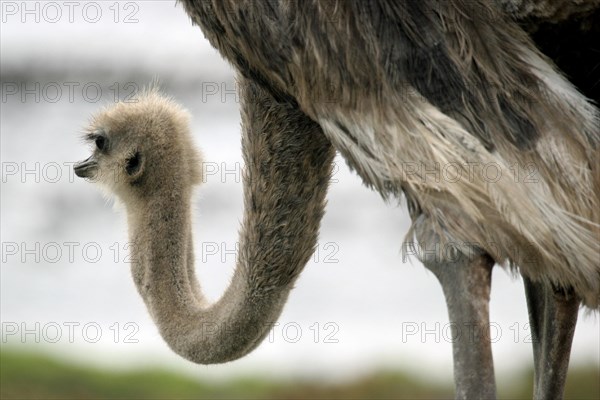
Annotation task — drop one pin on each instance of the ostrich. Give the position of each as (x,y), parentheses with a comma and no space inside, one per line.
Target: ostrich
(400,88)
(143,154)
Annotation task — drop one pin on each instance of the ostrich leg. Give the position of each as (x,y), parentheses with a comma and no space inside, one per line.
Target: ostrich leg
(466,282)
(552,316)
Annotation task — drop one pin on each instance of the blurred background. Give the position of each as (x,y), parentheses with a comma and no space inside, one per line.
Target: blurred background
(362,321)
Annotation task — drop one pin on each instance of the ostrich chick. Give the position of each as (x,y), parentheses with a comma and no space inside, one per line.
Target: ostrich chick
(150,134)
(145,155)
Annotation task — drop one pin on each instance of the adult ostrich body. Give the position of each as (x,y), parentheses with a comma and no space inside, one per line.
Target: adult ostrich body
(401,89)
(394,84)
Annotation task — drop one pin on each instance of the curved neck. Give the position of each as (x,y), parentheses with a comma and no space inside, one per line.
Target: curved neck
(165,278)
(288,166)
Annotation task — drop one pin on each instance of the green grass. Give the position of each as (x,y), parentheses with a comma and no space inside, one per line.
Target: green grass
(25,375)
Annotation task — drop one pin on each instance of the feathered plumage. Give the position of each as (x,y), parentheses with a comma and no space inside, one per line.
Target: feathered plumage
(406,90)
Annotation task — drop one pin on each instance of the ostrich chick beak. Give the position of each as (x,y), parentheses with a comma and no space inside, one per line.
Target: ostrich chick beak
(86,168)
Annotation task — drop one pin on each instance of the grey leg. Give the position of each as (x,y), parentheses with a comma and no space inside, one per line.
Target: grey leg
(466,283)
(552,317)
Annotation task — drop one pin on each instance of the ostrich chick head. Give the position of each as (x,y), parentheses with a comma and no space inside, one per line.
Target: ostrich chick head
(141,149)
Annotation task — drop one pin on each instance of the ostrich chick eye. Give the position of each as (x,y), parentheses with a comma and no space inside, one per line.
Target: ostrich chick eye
(100,143)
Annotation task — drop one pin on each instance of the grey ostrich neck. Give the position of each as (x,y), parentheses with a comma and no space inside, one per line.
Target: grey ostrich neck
(288,165)
(163,273)
(161,233)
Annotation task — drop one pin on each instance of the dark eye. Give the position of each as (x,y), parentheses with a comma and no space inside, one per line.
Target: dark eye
(100,142)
